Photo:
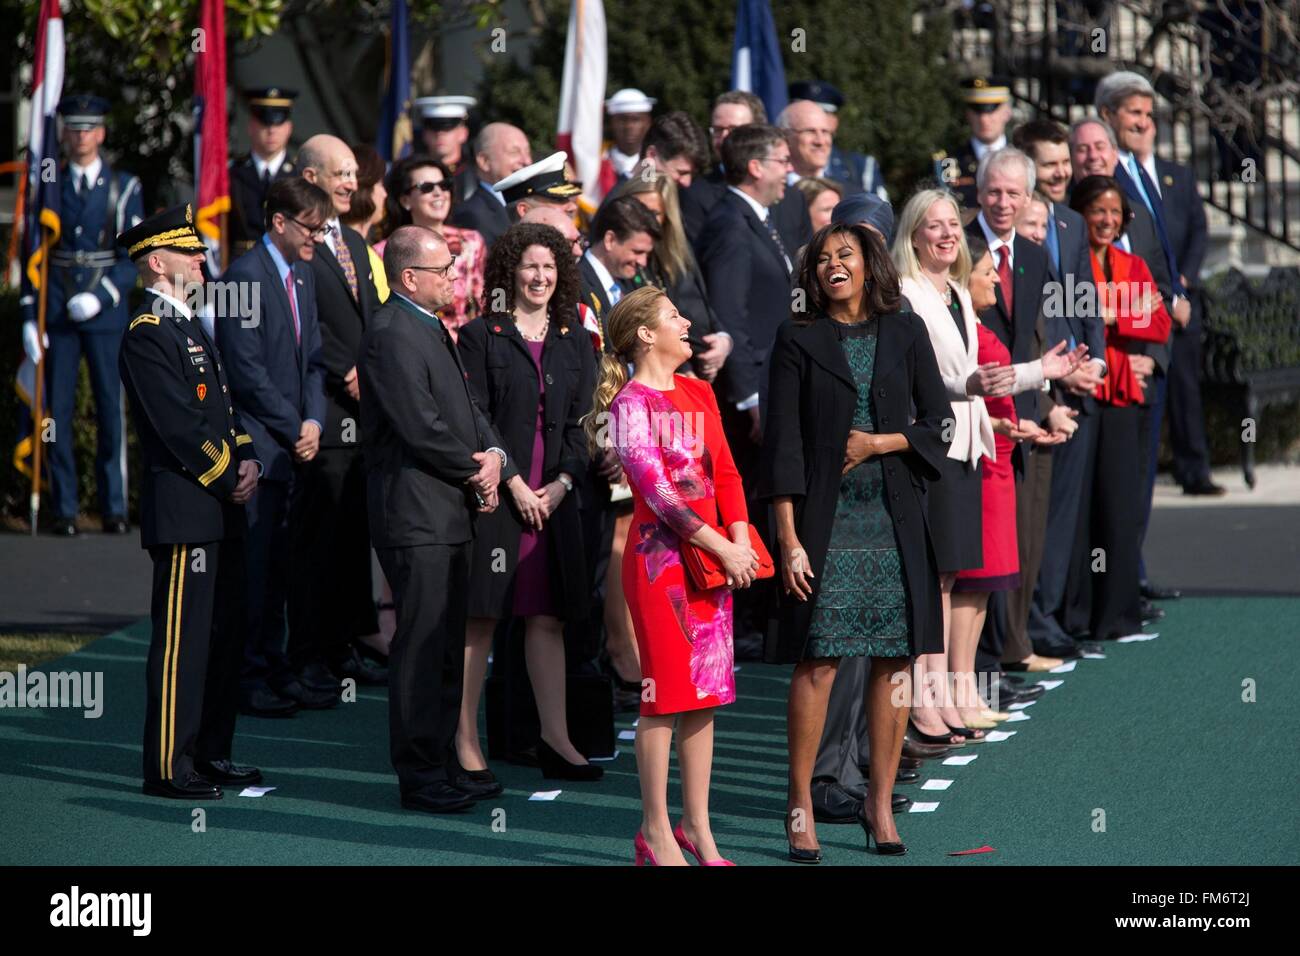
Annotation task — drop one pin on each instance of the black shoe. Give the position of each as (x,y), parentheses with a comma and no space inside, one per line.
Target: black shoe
(440,797)
(1013,680)
(933,740)
(1066,650)
(264,702)
(915,750)
(115,524)
(1206,487)
(223,771)
(361,670)
(1152,593)
(316,676)
(1149,612)
(899,802)
(64,528)
(834,803)
(477,784)
(910,763)
(799,855)
(1091,647)
(555,767)
(1008,693)
(903,776)
(309,698)
(884,849)
(192,787)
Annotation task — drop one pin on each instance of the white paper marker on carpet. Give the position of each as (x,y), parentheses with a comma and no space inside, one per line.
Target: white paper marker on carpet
(1022,705)
(997,736)
(1094,657)
(1064,668)
(961,761)
(255,791)
(1050,684)
(923,808)
(613,756)
(1018,715)
(936,785)
(1133,638)
(627,735)
(546,794)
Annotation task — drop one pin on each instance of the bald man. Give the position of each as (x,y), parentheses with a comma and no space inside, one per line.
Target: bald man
(811,134)
(499,150)
(331,603)
(556,218)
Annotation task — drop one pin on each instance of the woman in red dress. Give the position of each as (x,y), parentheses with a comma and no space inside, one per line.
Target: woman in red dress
(668,434)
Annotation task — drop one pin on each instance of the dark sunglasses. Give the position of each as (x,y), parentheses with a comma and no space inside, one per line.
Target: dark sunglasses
(426,188)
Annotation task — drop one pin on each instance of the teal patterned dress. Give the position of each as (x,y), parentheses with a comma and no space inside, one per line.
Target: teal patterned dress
(861,608)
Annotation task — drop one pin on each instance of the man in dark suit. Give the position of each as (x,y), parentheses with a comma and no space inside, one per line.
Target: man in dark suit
(623,235)
(1070,266)
(499,150)
(277,381)
(270,127)
(431,455)
(988,111)
(87,312)
(331,601)
(199,472)
(1004,182)
(732,110)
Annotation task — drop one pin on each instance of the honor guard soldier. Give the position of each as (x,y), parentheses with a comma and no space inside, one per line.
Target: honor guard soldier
(269,129)
(544,183)
(199,472)
(988,110)
(443,122)
(86,310)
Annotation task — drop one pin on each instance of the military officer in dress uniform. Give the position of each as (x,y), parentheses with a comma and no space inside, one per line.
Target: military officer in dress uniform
(443,122)
(199,472)
(988,111)
(269,129)
(544,183)
(86,310)
(859,172)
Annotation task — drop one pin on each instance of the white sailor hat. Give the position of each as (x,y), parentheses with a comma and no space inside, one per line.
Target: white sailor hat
(443,112)
(545,178)
(629,101)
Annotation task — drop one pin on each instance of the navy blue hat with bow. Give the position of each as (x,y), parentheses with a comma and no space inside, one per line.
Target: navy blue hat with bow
(865,208)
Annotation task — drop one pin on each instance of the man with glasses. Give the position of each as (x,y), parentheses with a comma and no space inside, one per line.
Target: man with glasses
(811,129)
(277,383)
(331,598)
(433,462)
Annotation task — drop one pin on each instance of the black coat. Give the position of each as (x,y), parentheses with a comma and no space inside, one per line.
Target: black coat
(191,439)
(342,320)
(420,429)
(248,199)
(503,380)
(812,397)
(482,213)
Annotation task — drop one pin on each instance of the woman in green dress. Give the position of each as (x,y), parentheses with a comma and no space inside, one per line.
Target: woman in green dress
(854,430)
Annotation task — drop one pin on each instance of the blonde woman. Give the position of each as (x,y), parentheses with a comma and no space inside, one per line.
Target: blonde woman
(684,487)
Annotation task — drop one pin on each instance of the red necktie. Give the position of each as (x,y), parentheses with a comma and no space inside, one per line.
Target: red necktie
(293,307)
(1004,278)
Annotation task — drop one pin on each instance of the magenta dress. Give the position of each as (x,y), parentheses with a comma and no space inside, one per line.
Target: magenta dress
(532,579)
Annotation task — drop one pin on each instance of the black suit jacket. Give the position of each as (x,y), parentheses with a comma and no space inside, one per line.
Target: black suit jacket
(1187,231)
(277,382)
(342,320)
(813,396)
(1144,242)
(789,214)
(1023,332)
(749,289)
(1065,319)
(420,428)
(483,213)
(247,196)
(191,438)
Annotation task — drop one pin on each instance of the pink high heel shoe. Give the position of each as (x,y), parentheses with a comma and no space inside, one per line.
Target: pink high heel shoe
(680,835)
(643,855)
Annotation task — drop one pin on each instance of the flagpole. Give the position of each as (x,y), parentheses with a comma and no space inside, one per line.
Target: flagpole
(38,437)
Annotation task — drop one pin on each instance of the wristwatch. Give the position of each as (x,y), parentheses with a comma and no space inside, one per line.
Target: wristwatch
(566,481)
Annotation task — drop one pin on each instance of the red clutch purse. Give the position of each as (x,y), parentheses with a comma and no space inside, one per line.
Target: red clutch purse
(705,569)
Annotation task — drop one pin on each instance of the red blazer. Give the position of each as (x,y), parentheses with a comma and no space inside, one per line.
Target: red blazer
(1130,279)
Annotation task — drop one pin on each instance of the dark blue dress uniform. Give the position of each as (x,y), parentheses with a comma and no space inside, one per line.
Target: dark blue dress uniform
(270,106)
(88,259)
(192,444)
(956,169)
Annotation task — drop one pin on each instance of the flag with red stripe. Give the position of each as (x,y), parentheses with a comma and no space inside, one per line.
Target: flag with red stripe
(211,163)
(582,98)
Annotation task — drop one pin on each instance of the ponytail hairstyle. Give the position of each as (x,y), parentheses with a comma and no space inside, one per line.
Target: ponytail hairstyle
(634,310)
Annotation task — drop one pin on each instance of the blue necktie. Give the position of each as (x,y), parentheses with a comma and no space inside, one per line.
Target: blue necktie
(615,293)
(1053,241)
(1136,172)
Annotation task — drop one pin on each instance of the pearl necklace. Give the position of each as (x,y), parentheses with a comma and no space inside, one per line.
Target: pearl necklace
(541,336)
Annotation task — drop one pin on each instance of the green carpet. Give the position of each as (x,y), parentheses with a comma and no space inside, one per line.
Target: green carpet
(1156,737)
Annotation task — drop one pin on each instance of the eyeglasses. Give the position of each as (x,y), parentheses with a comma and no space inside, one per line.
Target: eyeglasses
(440,270)
(720,130)
(316,232)
(785,161)
(425,188)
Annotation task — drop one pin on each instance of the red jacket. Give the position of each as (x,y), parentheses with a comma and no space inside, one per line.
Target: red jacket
(1130,281)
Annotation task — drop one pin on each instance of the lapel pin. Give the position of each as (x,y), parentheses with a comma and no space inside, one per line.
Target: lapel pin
(496,328)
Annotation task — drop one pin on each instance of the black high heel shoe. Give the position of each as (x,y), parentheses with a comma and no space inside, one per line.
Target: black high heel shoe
(798,854)
(884,849)
(555,767)
(934,740)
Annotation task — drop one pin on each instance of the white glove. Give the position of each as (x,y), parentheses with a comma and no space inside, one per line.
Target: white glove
(83,306)
(32,342)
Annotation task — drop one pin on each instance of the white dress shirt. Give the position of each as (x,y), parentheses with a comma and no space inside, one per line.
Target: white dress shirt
(980,149)
(607,281)
(271,166)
